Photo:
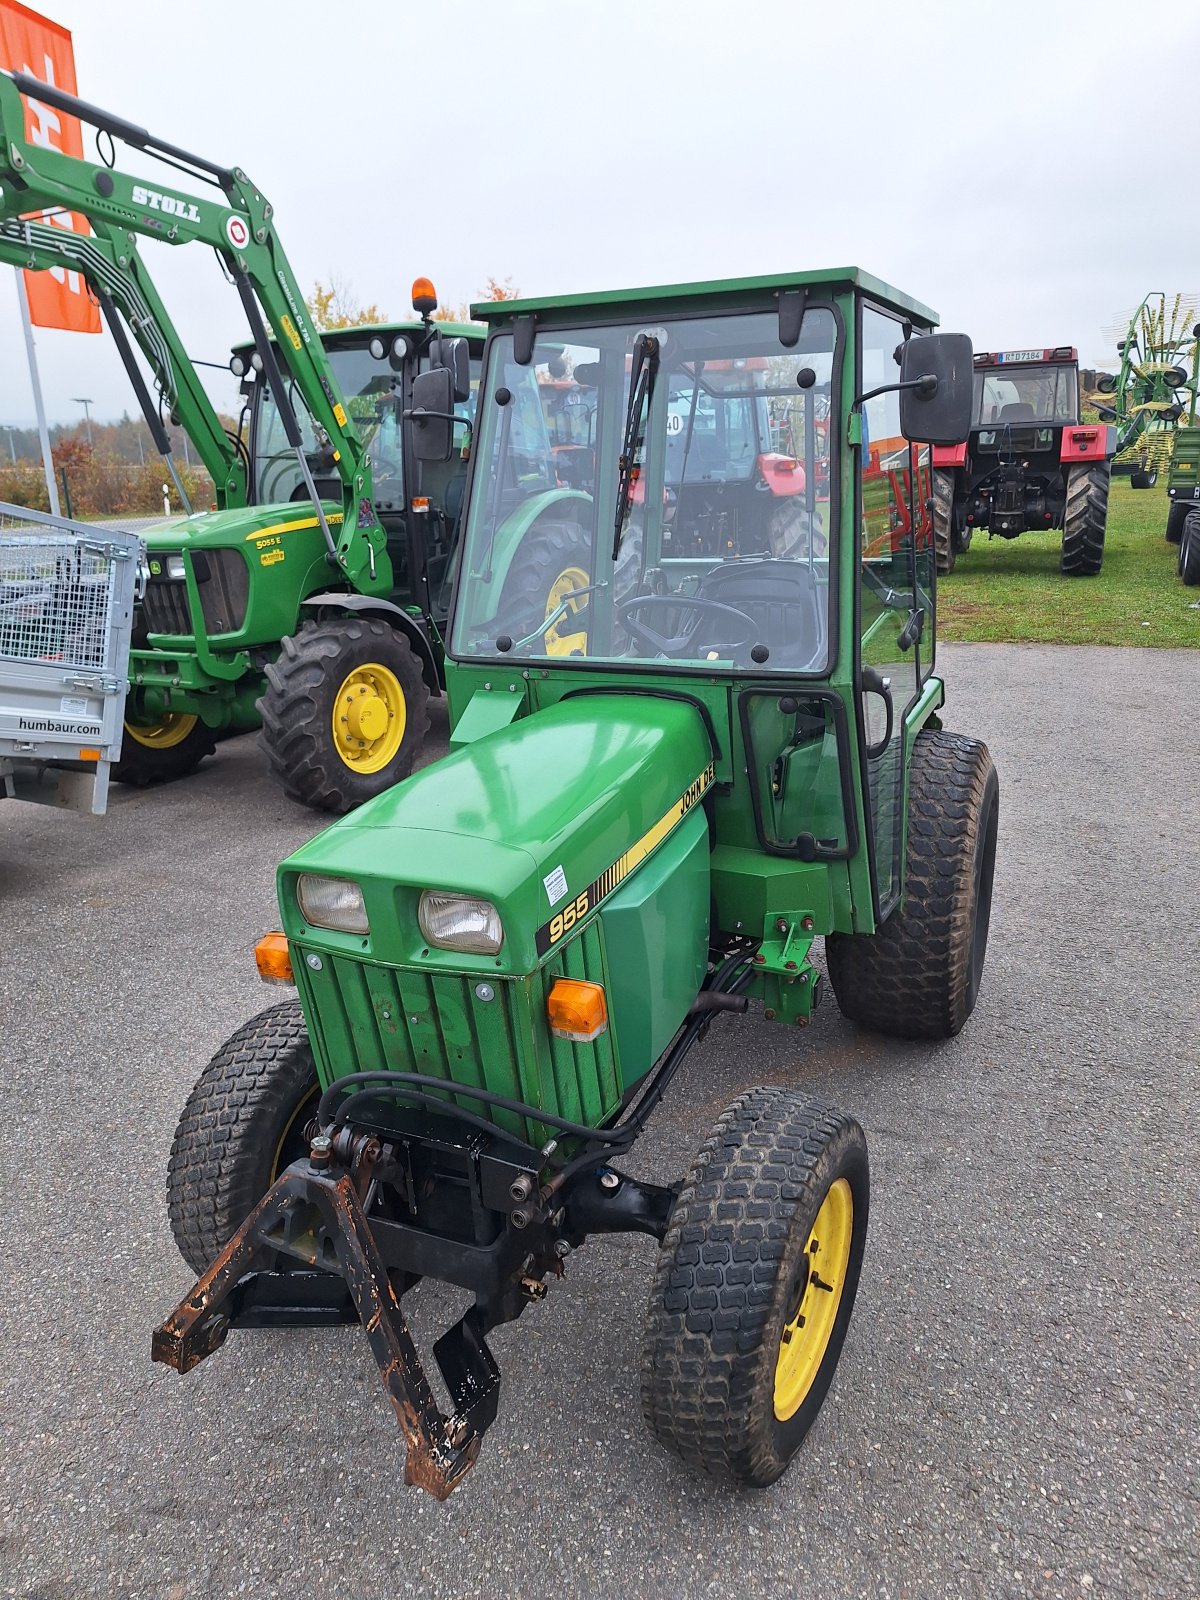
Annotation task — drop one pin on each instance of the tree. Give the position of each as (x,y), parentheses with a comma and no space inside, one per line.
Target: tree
(334,305)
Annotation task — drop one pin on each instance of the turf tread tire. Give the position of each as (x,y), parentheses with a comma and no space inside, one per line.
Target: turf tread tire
(918,976)
(725,1282)
(229,1132)
(297,710)
(1084,520)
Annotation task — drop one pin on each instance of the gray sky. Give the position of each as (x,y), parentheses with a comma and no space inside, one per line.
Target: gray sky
(971,153)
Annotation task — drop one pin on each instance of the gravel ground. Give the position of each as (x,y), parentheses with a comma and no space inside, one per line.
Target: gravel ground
(1016,1408)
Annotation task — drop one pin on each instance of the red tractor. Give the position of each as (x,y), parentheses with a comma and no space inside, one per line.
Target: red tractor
(1029,464)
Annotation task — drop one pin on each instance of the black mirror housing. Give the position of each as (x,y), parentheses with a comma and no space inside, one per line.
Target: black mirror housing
(433,435)
(938,412)
(456,358)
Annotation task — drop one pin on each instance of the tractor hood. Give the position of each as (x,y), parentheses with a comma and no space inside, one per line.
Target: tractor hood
(543,818)
(221,530)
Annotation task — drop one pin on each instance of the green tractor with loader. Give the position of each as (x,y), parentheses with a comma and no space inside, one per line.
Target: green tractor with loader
(502,963)
(311,599)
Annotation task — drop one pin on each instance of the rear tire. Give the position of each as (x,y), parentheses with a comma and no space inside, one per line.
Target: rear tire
(748,1313)
(242,1125)
(328,671)
(1189,549)
(1177,515)
(156,752)
(945,545)
(1084,521)
(918,977)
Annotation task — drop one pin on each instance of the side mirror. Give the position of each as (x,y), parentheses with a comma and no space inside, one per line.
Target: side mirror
(457,359)
(433,414)
(937,410)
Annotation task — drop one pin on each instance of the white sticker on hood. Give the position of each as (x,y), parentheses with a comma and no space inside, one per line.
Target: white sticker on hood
(556,885)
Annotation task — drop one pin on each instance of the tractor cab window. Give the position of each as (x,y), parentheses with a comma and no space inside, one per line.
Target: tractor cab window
(367,386)
(654,491)
(1026,396)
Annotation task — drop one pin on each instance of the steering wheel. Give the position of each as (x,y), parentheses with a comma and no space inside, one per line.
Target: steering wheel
(680,644)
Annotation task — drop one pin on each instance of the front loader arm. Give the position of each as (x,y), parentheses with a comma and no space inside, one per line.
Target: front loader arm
(237,224)
(114,271)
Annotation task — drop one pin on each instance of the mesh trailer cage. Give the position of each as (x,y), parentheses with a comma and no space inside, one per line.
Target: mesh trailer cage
(67,595)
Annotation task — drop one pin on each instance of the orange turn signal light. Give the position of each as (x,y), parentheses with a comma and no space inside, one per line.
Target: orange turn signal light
(424,297)
(273,960)
(577,1010)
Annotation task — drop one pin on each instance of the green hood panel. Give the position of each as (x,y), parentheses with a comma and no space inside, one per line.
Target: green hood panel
(219,530)
(544,818)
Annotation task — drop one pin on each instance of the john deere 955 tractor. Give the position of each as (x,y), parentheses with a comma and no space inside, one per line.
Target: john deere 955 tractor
(503,962)
(311,597)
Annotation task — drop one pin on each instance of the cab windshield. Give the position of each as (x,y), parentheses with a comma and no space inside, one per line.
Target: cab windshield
(367,386)
(1026,395)
(654,491)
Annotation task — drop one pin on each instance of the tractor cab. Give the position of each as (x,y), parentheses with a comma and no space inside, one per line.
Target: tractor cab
(375,366)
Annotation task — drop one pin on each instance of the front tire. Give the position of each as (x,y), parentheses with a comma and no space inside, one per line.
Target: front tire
(945,545)
(242,1125)
(1084,521)
(345,712)
(1189,549)
(1177,515)
(156,752)
(918,977)
(755,1286)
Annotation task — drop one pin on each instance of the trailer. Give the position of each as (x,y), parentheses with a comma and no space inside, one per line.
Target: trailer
(67,594)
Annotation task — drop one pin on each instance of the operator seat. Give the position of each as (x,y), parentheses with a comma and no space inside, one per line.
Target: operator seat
(1018,411)
(783,599)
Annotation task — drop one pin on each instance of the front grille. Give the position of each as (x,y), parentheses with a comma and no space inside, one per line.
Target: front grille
(165,607)
(364,1016)
(223,581)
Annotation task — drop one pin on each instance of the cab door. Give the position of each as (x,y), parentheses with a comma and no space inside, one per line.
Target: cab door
(895,607)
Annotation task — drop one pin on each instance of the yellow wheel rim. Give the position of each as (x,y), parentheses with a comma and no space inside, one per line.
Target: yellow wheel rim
(369,717)
(559,642)
(171,729)
(806,1337)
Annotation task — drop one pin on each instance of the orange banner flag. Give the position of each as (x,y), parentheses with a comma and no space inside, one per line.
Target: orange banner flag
(29,43)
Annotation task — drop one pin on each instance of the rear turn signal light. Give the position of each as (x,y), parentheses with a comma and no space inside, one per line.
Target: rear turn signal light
(272,959)
(577,1010)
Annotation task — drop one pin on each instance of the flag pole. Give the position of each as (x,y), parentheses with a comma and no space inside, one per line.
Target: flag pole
(35,382)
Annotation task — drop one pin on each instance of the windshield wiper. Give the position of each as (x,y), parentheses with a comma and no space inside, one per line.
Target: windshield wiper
(641,387)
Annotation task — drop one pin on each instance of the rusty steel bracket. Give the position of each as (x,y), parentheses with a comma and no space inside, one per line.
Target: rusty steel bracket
(315,1215)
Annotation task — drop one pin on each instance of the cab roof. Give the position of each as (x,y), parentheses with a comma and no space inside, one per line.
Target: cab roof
(711,295)
(360,331)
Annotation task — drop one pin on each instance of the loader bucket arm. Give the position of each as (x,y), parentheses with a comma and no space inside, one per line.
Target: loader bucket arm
(236,222)
(114,271)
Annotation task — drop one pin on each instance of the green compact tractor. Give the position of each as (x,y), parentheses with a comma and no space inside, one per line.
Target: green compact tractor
(503,962)
(312,596)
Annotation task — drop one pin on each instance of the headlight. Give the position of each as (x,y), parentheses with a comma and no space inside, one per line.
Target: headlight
(334,903)
(460,922)
(175,568)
